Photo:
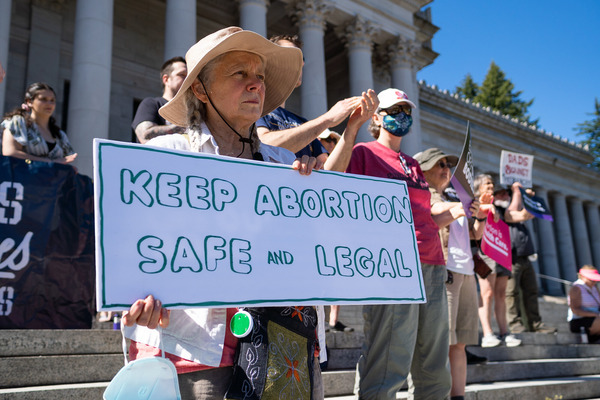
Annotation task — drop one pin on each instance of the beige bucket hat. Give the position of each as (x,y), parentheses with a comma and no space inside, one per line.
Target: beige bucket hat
(282,68)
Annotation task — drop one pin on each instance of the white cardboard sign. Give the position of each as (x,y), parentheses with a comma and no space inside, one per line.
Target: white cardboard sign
(199,230)
(516,167)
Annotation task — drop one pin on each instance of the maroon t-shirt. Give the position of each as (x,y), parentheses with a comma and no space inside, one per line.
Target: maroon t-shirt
(375,159)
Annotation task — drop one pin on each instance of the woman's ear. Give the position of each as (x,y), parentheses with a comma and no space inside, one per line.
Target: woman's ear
(199,92)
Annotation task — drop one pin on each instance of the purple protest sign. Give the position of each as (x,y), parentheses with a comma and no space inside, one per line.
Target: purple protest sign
(495,242)
(536,206)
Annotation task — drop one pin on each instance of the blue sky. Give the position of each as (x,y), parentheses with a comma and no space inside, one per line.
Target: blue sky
(549,49)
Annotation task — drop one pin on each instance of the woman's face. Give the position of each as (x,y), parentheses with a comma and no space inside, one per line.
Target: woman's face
(43,104)
(237,89)
(439,175)
(487,186)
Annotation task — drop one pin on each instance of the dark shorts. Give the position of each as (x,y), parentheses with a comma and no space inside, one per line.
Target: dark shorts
(576,324)
(496,268)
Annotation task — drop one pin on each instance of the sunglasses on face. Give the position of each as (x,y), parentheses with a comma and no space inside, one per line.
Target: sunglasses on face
(397,108)
(443,164)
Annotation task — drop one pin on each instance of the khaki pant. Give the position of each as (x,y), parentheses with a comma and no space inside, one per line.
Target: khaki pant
(407,338)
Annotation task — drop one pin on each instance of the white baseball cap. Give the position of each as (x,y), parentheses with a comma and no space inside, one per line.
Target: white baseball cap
(391,96)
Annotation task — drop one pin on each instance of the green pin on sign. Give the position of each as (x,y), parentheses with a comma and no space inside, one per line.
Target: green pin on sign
(241,324)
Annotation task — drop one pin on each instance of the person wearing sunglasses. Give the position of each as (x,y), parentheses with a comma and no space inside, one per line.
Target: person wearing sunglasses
(456,233)
(404,338)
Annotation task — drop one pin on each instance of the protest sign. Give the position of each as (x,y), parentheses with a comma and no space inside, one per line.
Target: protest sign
(515,167)
(199,230)
(462,178)
(536,206)
(495,242)
(46,246)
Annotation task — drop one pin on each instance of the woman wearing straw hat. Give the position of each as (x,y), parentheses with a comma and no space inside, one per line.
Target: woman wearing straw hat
(234,78)
(584,304)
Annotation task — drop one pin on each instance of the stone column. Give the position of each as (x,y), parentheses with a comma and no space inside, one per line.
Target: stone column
(403,70)
(358,35)
(581,239)
(253,15)
(564,239)
(5,13)
(310,18)
(89,102)
(548,256)
(43,58)
(593,220)
(180,27)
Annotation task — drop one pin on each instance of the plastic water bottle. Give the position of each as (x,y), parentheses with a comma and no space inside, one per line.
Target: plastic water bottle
(584,338)
(117,322)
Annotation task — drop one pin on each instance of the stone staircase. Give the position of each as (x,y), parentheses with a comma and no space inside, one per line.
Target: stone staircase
(78,364)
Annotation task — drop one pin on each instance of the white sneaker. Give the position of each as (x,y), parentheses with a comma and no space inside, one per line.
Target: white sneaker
(511,341)
(490,341)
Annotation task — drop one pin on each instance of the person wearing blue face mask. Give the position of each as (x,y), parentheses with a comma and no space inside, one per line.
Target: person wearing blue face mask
(403,339)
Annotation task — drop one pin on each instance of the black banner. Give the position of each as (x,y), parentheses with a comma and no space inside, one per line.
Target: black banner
(46,246)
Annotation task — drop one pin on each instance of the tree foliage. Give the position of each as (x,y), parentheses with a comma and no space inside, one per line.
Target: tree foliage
(498,93)
(591,131)
(468,88)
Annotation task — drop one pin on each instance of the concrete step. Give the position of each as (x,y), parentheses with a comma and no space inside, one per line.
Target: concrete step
(536,352)
(51,342)
(56,392)
(564,388)
(339,383)
(54,370)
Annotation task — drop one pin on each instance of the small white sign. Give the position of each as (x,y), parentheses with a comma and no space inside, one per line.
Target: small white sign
(199,230)
(515,167)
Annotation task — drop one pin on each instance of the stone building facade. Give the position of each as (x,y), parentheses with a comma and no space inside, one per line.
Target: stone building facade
(102,58)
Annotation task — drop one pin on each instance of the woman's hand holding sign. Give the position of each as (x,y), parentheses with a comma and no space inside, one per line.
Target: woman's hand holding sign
(147,312)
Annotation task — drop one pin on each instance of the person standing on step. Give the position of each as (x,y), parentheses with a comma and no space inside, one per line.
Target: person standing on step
(456,233)
(403,339)
(492,287)
(523,284)
(147,122)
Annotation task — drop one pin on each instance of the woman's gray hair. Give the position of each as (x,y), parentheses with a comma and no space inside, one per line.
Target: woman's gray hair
(479,179)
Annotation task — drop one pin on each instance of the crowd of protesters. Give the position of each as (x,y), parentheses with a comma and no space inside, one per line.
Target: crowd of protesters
(227,97)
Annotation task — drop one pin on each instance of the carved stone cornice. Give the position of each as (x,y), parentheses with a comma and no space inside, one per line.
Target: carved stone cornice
(402,52)
(358,33)
(262,3)
(310,13)
(53,5)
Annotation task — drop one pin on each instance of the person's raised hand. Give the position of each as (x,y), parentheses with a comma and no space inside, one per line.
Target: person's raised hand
(365,110)
(340,110)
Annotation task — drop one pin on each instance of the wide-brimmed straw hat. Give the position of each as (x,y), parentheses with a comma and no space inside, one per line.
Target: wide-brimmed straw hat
(282,68)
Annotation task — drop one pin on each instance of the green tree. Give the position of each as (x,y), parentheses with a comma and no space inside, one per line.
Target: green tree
(497,92)
(468,89)
(591,131)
